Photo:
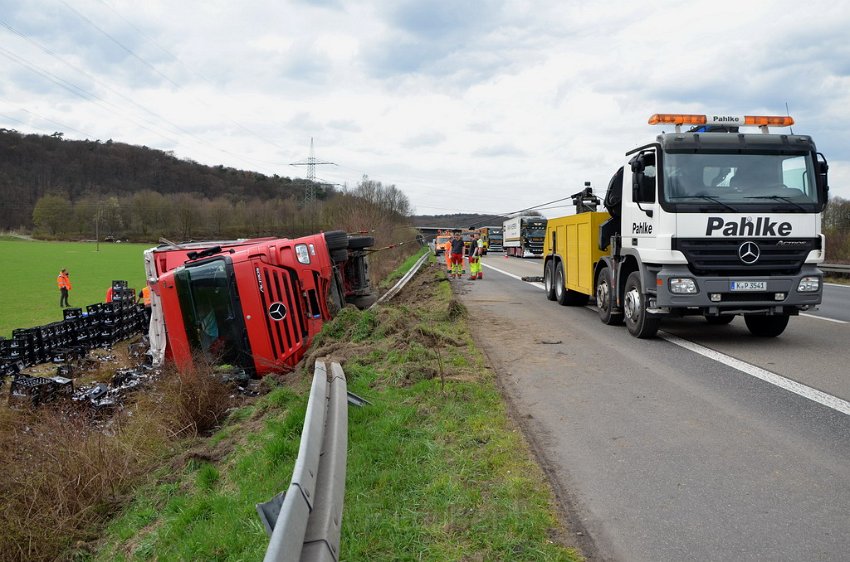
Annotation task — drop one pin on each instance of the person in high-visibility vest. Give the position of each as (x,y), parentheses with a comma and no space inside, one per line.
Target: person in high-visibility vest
(145,296)
(64,282)
(476,249)
(457,251)
(447,249)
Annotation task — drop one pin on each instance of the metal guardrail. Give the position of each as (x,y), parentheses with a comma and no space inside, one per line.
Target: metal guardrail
(840,268)
(403,281)
(304,521)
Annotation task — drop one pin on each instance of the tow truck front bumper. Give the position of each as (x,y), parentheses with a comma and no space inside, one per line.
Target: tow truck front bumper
(777,294)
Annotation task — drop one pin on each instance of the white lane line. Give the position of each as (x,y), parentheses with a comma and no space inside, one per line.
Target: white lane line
(823,318)
(517,277)
(812,394)
(837,285)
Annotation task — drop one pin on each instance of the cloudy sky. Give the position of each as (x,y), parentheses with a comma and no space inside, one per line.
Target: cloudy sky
(467,106)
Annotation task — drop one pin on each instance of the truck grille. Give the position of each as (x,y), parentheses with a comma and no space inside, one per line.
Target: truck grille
(719,257)
(282,286)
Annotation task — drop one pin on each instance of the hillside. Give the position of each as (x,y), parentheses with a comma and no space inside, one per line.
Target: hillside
(32,166)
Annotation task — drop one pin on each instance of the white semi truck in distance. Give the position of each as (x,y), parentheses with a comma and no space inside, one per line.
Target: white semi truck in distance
(523,236)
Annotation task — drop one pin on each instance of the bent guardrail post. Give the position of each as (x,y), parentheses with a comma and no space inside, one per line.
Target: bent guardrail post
(305,521)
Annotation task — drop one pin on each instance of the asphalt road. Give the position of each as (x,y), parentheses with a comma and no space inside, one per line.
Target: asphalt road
(681,447)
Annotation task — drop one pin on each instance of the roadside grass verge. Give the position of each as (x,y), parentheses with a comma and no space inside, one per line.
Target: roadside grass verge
(29,295)
(65,472)
(436,469)
(399,272)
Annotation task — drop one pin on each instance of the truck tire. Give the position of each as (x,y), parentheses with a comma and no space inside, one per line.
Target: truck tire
(336,240)
(549,279)
(766,326)
(605,298)
(640,324)
(360,242)
(564,296)
(721,320)
(339,256)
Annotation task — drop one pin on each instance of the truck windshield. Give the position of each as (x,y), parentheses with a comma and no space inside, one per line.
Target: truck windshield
(213,325)
(740,181)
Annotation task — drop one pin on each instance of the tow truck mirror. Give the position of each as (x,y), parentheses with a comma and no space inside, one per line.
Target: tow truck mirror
(638,164)
(643,188)
(821,169)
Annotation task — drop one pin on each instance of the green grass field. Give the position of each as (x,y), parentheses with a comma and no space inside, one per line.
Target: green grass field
(29,295)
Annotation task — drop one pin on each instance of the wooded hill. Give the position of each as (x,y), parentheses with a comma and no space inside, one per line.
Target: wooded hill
(93,172)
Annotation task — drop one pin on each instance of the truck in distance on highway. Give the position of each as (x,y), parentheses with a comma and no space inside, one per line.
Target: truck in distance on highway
(523,236)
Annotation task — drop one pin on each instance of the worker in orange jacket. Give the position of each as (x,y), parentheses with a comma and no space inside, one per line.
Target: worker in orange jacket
(64,283)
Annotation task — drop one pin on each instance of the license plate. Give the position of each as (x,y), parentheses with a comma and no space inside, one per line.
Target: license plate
(748,286)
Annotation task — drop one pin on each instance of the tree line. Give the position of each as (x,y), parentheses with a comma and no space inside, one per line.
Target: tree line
(107,176)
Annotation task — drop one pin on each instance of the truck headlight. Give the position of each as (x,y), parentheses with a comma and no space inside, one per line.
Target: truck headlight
(682,286)
(302,253)
(808,285)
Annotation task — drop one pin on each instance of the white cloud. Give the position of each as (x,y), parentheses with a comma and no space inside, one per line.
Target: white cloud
(496,104)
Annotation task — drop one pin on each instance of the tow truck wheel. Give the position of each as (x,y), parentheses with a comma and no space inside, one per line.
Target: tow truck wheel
(640,324)
(564,296)
(720,320)
(605,298)
(766,326)
(560,289)
(548,281)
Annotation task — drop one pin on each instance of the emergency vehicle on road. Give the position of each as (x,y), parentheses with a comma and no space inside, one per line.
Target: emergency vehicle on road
(710,222)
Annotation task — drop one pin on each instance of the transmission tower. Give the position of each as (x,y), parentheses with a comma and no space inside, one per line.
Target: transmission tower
(311,162)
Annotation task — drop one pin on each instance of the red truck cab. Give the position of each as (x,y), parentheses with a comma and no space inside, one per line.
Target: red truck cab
(255,304)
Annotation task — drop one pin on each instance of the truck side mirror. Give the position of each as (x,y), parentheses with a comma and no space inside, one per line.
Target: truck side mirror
(821,169)
(643,188)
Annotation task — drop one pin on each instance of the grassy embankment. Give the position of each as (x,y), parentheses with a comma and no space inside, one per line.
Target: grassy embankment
(29,295)
(436,469)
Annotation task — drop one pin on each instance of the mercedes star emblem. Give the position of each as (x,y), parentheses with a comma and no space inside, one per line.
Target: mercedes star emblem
(749,252)
(277,311)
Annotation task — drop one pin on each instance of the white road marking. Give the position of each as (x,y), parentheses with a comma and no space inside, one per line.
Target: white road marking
(823,318)
(812,394)
(517,277)
(770,377)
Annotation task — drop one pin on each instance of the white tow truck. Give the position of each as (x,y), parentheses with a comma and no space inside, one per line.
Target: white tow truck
(710,222)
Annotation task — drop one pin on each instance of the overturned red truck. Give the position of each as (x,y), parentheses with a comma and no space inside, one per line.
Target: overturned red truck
(256,303)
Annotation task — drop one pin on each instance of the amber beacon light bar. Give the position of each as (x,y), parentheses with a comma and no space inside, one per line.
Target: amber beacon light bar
(761,121)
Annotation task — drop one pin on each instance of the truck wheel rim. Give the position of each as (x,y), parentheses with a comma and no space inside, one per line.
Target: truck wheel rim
(602,295)
(631,304)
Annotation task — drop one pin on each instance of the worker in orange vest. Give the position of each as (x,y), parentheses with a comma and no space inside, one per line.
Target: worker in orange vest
(447,249)
(64,282)
(145,296)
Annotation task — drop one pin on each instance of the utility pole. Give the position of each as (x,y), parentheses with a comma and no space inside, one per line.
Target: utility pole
(311,162)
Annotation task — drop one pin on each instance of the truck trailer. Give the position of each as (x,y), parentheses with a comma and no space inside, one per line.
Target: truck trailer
(523,236)
(255,304)
(710,222)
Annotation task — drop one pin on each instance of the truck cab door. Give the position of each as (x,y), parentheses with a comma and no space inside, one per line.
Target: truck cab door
(640,200)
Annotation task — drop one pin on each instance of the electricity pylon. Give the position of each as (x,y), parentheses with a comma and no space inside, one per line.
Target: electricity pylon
(311,162)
